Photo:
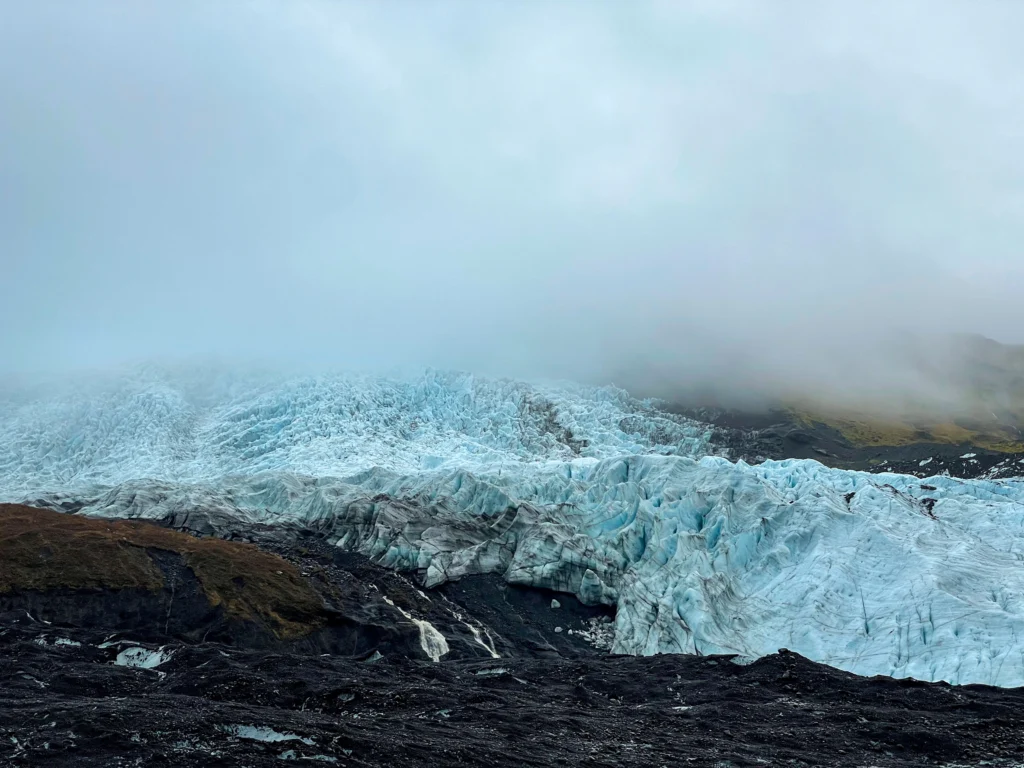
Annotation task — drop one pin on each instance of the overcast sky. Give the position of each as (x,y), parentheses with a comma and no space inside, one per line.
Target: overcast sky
(533,188)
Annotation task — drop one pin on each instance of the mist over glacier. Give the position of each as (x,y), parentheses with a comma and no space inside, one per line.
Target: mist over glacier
(671,196)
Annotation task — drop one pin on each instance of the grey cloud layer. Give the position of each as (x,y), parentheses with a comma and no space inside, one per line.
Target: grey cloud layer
(581,189)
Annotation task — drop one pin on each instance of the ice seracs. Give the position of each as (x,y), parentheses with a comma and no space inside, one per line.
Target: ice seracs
(579,490)
(194,425)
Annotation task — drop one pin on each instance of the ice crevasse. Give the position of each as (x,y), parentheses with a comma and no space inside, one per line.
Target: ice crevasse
(577,489)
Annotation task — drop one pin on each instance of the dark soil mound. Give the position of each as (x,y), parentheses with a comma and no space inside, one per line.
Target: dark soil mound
(119,574)
(207,705)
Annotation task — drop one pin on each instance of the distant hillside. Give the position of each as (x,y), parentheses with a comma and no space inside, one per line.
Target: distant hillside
(958,405)
(969,390)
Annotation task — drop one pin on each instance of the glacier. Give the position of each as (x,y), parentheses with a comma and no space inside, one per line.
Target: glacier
(580,489)
(191,424)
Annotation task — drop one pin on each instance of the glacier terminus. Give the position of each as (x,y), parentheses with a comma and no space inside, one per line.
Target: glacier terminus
(583,490)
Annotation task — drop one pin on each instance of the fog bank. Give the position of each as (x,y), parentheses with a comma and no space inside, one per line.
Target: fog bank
(669,195)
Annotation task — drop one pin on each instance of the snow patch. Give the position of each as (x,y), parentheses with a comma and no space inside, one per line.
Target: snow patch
(266,735)
(291,754)
(491,672)
(59,642)
(142,658)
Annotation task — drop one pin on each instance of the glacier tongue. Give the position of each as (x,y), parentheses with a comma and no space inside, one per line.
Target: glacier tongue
(575,489)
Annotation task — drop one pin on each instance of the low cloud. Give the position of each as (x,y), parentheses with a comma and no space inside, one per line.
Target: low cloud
(679,197)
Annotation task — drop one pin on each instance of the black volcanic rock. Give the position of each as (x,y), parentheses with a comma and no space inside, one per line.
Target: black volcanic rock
(524,681)
(211,705)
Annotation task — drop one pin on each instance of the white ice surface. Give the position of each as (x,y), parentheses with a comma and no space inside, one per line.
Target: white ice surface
(201,425)
(142,658)
(455,475)
(261,733)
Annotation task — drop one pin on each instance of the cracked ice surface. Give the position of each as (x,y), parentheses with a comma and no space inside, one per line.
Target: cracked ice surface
(876,574)
(190,425)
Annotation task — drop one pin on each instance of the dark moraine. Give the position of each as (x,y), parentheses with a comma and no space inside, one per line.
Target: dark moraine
(344,679)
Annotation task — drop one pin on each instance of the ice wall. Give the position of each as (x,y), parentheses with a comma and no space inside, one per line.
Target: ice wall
(877,574)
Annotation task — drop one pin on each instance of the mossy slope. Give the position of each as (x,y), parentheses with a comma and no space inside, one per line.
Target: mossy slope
(862,429)
(43,550)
